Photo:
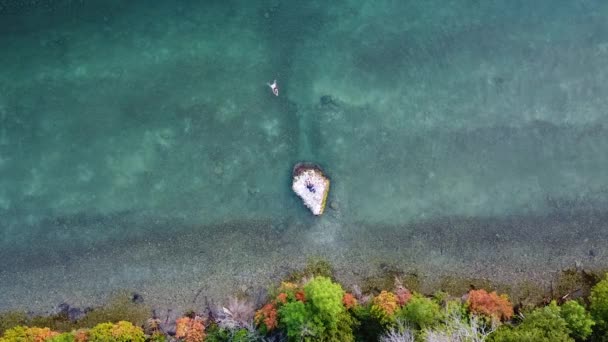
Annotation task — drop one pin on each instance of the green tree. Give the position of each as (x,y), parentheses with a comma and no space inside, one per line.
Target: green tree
(599,305)
(421,311)
(297,320)
(578,319)
(541,325)
(325,298)
(120,332)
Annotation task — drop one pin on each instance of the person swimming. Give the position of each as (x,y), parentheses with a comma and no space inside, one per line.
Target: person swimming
(274,88)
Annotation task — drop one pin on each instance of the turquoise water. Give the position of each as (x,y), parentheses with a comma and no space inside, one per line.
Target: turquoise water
(140,147)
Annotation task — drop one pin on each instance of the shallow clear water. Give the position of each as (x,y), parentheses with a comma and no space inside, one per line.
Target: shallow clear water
(140,147)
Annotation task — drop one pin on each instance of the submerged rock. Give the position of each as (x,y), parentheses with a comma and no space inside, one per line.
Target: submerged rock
(311,185)
(137,298)
(70,313)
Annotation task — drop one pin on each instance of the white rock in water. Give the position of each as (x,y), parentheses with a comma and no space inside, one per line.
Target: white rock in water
(311,185)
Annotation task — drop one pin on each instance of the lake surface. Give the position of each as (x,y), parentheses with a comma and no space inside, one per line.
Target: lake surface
(141,149)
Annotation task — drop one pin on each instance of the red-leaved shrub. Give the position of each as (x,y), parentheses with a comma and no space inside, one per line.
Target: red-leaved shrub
(267,315)
(282,297)
(403,295)
(301,296)
(349,300)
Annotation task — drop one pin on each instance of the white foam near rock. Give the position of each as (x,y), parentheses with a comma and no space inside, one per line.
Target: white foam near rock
(311,185)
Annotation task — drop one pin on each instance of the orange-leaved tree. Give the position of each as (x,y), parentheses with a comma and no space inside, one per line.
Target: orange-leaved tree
(491,304)
(266,317)
(190,329)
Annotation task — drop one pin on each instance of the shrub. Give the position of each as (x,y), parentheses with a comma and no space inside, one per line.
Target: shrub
(236,315)
(548,319)
(344,330)
(399,333)
(371,328)
(282,298)
(216,334)
(541,325)
(288,292)
(73,336)
(81,335)
(349,301)
(457,327)
(454,307)
(421,311)
(119,332)
(384,306)
(190,329)
(403,295)
(25,334)
(157,336)
(297,320)
(301,296)
(266,318)
(325,298)
(288,287)
(481,302)
(317,314)
(64,337)
(578,319)
(242,335)
(599,304)
(510,334)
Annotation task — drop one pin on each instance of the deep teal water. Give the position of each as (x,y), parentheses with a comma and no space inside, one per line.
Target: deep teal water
(126,124)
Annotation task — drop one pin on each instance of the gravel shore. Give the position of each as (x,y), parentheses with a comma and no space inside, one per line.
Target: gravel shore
(189,265)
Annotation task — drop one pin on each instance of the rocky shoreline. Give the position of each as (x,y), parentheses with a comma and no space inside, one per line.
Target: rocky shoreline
(256,314)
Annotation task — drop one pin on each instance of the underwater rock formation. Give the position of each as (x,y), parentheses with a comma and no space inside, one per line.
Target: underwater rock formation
(310,184)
